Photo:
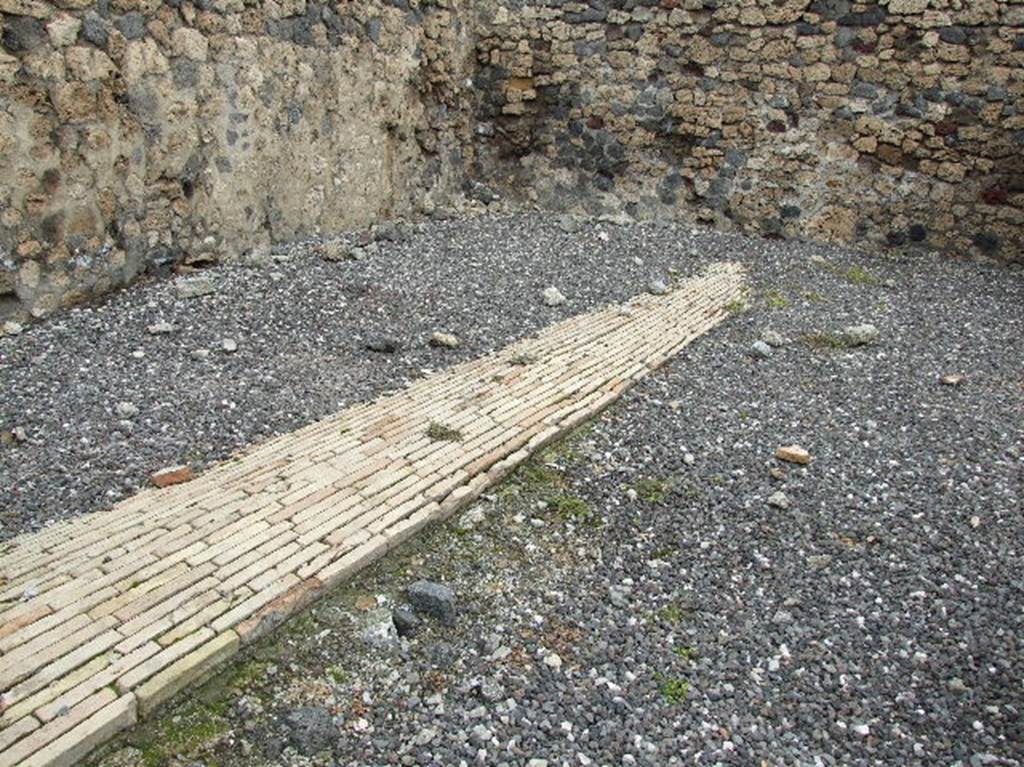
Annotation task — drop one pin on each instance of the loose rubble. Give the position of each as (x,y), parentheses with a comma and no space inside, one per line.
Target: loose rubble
(860,335)
(703,625)
(194,287)
(793,454)
(553,297)
(445,340)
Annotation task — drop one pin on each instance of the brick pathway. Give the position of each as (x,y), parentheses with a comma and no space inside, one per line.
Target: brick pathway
(104,617)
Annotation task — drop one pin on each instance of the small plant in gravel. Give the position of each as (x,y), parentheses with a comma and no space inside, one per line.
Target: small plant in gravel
(194,725)
(675,691)
(691,492)
(570,507)
(653,490)
(672,614)
(823,341)
(441,433)
(535,475)
(246,674)
(686,653)
(736,307)
(337,674)
(775,299)
(858,275)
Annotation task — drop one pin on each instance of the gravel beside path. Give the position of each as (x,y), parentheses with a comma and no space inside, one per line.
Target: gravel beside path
(100,402)
(642,594)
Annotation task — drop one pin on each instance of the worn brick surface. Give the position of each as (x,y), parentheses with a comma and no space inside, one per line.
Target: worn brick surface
(130,605)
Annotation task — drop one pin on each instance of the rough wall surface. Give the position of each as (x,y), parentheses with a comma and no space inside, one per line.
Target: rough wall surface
(891,123)
(137,134)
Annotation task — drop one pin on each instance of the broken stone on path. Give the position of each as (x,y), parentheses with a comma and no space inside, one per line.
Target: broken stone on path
(379,629)
(160,329)
(953,379)
(172,475)
(657,288)
(793,454)
(779,500)
(760,350)
(773,338)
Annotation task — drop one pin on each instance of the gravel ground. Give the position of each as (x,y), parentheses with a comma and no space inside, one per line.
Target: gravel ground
(640,594)
(301,325)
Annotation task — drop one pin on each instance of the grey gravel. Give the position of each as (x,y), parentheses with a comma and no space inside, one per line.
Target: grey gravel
(383,344)
(887,597)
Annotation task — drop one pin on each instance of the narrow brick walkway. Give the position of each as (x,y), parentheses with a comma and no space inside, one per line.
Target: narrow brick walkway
(104,617)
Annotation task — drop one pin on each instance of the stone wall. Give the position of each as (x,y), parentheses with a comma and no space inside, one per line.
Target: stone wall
(897,123)
(139,134)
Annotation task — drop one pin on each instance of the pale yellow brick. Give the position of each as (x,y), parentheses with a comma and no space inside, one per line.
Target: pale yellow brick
(71,748)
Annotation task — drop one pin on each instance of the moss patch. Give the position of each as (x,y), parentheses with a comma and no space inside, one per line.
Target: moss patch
(858,275)
(572,508)
(653,490)
(673,690)
(736,307)
(194,725)
(441,433)
(775,299)
(671,614)
(686,653)
(823,341)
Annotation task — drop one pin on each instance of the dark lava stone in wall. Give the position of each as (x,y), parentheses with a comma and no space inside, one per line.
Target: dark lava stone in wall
(22,33)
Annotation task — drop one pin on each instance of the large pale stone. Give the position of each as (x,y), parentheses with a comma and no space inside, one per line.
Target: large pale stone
(793,454)
(189,43)
(63,30)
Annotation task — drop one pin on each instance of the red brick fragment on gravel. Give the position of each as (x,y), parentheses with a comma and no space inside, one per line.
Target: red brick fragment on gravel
(173,475)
